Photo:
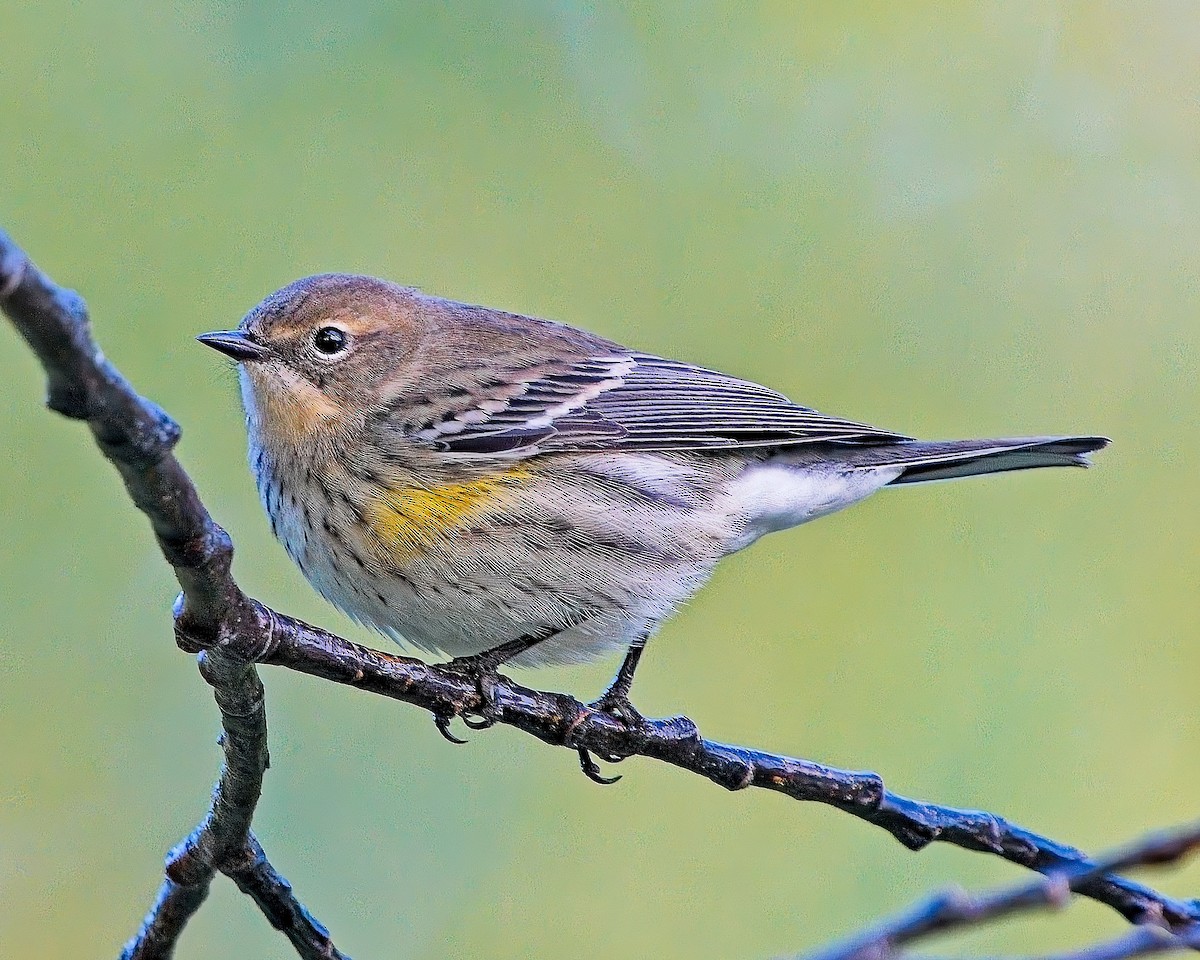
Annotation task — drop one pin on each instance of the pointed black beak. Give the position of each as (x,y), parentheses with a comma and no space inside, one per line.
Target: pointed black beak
(234,343)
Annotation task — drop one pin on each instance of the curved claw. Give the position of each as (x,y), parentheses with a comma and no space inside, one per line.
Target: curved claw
(592,771)
(442,722)
(482,672)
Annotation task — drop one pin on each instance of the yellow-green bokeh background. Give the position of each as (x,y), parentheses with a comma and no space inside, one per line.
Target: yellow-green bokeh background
(948,219)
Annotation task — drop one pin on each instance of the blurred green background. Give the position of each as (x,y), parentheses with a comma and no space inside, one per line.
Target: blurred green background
(951,220)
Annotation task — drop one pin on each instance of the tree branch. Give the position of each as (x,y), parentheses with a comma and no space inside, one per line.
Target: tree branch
(233,632)
(137,438)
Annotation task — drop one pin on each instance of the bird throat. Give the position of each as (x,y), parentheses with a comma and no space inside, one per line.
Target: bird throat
(286,408)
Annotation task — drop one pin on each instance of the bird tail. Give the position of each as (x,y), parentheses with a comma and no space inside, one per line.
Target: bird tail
(925,460)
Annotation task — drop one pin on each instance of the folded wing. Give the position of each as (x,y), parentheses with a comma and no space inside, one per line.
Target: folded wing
(627,401)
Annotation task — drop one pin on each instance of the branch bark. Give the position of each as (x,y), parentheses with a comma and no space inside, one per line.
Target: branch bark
(233,632)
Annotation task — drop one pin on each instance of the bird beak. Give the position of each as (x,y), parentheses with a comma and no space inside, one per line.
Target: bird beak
(234,343)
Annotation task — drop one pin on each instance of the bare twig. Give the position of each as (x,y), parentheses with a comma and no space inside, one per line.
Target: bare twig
(953,909)
(234,632)
(1142,941)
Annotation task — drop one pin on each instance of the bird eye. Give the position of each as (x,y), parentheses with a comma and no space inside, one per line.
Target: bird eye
(330,340)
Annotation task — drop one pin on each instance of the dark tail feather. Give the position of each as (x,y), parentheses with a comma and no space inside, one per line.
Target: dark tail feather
(925,460)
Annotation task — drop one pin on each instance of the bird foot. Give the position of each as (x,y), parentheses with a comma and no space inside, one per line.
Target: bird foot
(614,702)
(591,769)
(442,722)
(481,669)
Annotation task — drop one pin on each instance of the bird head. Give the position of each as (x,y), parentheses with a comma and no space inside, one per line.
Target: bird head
(323,352)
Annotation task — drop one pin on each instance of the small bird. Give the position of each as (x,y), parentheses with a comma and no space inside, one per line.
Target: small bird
(502,488)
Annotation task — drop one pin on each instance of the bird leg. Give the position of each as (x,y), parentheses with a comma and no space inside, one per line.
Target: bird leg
(614,702)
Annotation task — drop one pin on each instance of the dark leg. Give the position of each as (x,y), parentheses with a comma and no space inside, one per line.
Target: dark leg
(615,700)
(482,668)
(489,660)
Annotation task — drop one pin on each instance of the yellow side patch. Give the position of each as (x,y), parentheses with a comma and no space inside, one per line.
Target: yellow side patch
(408,520)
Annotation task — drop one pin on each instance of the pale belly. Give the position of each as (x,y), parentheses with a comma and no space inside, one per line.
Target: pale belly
(594,560)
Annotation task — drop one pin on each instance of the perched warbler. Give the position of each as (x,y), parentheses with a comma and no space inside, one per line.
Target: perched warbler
(503,488)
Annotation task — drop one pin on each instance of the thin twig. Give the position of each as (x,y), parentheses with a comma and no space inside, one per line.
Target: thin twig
(953,909)
(1141,941)
(215,616)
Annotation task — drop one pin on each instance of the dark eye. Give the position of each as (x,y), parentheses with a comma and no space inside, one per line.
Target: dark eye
(330,340)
